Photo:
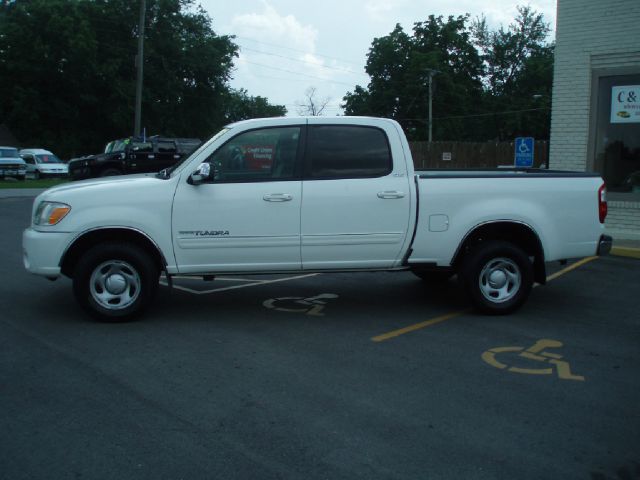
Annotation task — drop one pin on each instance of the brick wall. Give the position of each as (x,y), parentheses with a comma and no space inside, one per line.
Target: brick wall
(623,219)
(592,36)
(589,34)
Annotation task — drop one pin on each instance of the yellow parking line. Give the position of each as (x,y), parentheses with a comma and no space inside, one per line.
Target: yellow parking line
(417,326)
(573,266)
(626,252)
(449,316)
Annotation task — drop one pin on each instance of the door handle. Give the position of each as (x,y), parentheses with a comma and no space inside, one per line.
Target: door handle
(277,197)
(390,194)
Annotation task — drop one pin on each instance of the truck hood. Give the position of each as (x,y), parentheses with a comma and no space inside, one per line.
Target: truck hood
(11,161)
(107,188)
(100,157)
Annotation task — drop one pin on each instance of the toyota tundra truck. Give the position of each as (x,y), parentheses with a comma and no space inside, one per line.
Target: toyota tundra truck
(312,195)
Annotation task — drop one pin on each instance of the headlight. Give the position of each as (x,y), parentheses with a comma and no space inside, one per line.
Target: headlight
(50,213)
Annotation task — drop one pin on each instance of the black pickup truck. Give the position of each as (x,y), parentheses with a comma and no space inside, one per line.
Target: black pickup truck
(133,155)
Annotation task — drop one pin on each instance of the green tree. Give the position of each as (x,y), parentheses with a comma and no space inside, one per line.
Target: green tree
(239,105)
(67,72)
(481,75)
(519,75)
(398,65)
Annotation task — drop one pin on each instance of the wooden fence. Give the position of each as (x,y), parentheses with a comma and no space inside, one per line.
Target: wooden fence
(470,155)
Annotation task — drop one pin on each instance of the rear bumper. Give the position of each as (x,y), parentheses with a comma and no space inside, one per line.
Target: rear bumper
(604,245)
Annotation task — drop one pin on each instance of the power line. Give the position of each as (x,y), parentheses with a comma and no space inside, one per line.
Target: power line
(359,64)
(345,70)
(298,73)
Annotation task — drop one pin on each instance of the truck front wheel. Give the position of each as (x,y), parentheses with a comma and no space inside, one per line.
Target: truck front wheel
(115,282)
(498,277)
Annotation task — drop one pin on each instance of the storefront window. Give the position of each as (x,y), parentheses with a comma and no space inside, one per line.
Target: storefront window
(617,142)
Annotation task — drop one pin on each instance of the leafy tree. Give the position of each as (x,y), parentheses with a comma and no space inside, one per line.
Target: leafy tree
(67,72)
(239,105)
(480,76)
(398,65)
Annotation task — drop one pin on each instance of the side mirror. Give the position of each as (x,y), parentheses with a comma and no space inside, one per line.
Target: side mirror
(201,175)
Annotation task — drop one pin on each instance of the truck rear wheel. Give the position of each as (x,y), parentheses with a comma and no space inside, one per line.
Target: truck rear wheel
(115,282)
(498,277)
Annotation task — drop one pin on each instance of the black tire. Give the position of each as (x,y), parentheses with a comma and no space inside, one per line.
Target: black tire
(21,178)
(498,277)
(433,277)
(115,282)
(36,175)
(110,172)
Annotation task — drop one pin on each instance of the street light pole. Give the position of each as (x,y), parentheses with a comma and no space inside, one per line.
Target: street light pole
(431,72)
(139,64)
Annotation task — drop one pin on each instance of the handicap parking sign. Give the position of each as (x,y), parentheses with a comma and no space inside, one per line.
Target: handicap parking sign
(524,152)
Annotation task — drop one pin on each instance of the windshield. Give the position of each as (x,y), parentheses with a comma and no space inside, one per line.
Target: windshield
(9,153)
(116,146)
(47,158)
(171,169)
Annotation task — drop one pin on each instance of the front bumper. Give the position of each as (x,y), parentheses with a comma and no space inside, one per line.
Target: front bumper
(81,173)
(54,174)
(42,251)
(604,245)
(12,172)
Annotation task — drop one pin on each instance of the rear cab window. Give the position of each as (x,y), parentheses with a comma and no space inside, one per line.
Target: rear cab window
(347,151)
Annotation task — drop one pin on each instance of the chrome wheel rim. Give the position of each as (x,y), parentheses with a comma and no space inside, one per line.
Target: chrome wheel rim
(500,280)
(115,285)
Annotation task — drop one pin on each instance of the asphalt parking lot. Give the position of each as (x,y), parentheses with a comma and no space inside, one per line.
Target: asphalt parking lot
(320,377)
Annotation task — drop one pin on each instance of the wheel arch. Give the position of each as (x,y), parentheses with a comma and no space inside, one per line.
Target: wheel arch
(93,237)
(516,232)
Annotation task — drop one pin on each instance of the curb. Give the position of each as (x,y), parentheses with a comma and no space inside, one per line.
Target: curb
(625,252)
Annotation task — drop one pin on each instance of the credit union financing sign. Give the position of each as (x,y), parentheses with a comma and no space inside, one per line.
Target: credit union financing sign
(625,104)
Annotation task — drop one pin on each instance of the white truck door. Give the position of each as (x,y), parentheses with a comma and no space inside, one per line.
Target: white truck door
(247,218)
(356,202)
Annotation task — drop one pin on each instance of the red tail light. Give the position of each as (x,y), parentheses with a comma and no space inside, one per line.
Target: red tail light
(602,202)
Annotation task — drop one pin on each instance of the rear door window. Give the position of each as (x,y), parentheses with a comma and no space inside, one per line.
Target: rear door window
(349,151)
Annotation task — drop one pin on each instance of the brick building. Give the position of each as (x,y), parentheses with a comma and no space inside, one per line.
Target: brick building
(595,120)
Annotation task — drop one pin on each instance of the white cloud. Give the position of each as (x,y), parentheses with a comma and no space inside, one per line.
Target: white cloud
(270,26)
(379,10)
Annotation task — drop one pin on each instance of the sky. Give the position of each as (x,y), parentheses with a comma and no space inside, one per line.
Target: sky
(287,46)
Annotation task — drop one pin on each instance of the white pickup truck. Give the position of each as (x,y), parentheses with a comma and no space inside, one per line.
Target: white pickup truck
(314,195)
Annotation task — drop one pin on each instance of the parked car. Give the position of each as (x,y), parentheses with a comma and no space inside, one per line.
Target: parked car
(11,165)
(42,163)
(130,155)
(313,195)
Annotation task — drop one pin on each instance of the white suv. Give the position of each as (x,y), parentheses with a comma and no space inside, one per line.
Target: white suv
(43,163)
(11,165)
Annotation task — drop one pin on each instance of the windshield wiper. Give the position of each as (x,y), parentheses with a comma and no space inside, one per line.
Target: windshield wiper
(164,174)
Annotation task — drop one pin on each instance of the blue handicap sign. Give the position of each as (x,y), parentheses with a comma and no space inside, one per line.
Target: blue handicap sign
(524,152)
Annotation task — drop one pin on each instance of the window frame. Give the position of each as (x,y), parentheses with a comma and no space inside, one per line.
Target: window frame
(297,171)
(307,175)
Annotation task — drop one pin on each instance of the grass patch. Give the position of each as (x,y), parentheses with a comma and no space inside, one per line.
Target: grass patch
(28,183)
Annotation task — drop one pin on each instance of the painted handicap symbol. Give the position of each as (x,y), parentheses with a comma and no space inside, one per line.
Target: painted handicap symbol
(549,362)
(309,306)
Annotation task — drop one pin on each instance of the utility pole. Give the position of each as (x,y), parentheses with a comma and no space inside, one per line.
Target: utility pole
(139,64)
(431,72)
